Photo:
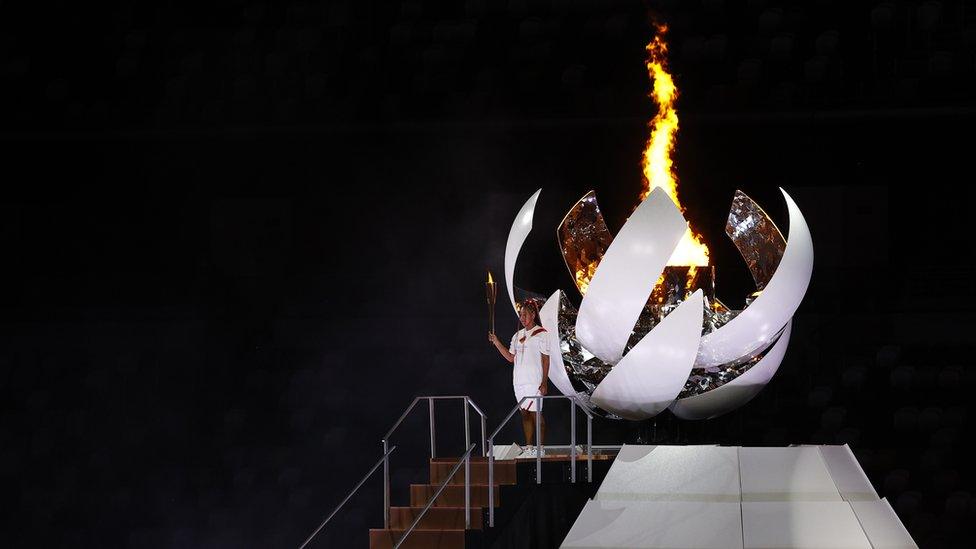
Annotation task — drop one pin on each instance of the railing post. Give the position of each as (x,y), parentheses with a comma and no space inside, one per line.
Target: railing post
(589,449)
(487,447)
(484,441)
(538,440)
(386,486)
(572,440)
(467,487)
(539,399)
(467,426)
(433,498)
(347,498)
(491,483)
(433,445)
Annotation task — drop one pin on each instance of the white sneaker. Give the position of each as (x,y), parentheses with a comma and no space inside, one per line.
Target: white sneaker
(528,452)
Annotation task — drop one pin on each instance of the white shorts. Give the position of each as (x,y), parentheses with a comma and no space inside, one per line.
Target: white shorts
(528,390)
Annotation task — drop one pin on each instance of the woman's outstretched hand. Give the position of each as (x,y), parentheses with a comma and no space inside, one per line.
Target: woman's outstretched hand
(492,338)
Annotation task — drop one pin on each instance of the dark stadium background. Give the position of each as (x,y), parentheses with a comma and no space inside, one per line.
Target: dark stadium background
(237,238)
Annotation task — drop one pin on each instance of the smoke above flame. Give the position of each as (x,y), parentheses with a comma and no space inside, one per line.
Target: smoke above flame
(656,160)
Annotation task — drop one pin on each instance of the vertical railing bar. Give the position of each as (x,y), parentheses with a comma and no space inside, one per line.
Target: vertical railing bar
(487,449)
(589,449)
(430,502)
(433,446)
(484,441)
(386,485)
(467,426)
(490,446)
(491,483)
(481,414)
(538,440)
(572,440)
(467,489)
(343,502)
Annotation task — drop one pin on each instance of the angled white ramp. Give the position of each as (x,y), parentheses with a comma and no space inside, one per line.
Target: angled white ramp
(797,473)
(882,526)
(657,524)
(848,476)
(802,497)
(801,525)
(673,473)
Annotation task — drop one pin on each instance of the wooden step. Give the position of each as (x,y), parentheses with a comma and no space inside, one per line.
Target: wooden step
(418,539)
(504,472)
(452,496)
(447,518)
(453,460)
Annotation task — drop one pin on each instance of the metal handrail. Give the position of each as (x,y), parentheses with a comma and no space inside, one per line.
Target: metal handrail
(575,403)
(466,460)
(466,404)
(430,400)
(383,459)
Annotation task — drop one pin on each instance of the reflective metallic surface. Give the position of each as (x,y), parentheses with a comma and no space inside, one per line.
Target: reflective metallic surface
(758,325)
(581,365)
(549,318)
(737,392)
(674,285)
(757,238)
(704,379)
(716,315)
(583,239)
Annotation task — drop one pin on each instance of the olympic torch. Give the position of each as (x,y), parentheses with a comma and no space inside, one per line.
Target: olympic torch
(491,292)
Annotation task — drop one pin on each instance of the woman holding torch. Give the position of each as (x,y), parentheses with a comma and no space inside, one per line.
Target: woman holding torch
(529,355)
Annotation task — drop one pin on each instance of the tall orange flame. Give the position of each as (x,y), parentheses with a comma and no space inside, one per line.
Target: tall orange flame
(656,161)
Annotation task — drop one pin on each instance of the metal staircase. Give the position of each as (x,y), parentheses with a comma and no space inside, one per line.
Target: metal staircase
(458,504)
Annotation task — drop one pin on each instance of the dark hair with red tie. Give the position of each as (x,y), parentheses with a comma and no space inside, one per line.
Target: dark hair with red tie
(532,304)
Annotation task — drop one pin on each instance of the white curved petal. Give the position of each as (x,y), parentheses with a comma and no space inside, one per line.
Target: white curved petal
(520,230)
(649,377)
(549,318)
(627,274)
(756,326)
(737,392)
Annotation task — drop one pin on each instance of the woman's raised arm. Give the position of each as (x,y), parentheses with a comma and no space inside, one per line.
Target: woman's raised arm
(501,348)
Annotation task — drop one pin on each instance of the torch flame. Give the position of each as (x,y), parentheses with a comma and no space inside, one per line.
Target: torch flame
(656,162)
(490,279)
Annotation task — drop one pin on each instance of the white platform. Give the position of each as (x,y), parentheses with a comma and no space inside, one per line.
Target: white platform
(680,473)
(801,524)
(797,473)
(715,496)
(673,524)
